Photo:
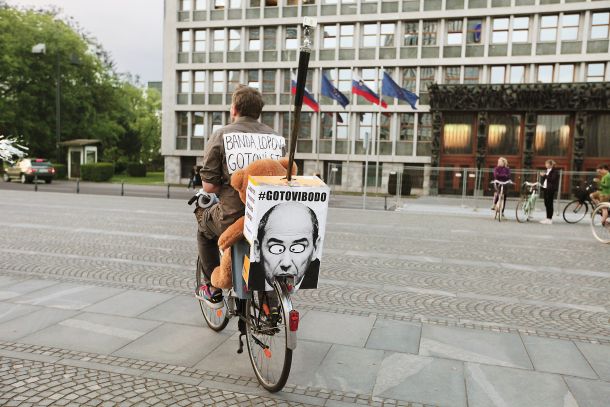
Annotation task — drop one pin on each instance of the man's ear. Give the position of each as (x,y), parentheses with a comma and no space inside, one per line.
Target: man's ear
(256,254)
(316,252)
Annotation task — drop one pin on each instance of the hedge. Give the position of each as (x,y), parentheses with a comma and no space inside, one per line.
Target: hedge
(61,171)
(99,172)
(136,170)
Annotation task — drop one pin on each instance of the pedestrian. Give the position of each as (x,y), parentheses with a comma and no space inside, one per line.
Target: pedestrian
(197,177)
(192,177)
(501,174)
(550,185)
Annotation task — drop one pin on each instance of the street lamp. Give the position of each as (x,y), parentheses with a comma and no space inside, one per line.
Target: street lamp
(42,49)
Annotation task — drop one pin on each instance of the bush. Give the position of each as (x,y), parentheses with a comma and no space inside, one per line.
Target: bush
(61,171)
(120,166)
(99,172)
(136,170)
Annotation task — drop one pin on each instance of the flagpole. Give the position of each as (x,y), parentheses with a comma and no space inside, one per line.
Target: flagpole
(349,120)
(378,132)
(366,168)
(320,129)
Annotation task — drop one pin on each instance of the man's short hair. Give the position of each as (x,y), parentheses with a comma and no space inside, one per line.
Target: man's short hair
(602,167)
(262,225)
(247,101)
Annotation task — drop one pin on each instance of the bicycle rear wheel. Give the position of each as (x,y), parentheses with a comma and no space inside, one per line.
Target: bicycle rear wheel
(600,231)
(267,337)
(522,212)
(216,318)
(575,211)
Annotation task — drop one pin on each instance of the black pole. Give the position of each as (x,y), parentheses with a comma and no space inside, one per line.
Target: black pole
(122,188)
(304,55)
(35,182)
(77,185)
(167,191)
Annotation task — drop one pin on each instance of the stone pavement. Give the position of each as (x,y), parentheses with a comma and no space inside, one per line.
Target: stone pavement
(435,309)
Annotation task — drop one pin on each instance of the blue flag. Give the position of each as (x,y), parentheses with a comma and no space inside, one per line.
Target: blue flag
(330,91)
(390,88)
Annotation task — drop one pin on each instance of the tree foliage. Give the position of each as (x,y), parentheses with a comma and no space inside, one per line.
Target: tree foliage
(95,102)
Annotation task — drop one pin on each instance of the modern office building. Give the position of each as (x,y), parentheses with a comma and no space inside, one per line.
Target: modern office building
(515,78)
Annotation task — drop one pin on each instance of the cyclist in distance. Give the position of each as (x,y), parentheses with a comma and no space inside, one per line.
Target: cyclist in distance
(502,174)
(603,193)
(246,140)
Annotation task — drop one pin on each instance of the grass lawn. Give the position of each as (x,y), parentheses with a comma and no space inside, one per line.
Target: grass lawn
(151,178)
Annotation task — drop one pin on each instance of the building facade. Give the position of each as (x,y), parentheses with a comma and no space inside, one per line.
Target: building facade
(210,46)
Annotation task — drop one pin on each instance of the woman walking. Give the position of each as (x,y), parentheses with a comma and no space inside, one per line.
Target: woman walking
(550,185)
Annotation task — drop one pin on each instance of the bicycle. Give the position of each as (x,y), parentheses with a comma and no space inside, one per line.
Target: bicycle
(601,231)
(499,207)
(265,318)
(577,209)
(527,203)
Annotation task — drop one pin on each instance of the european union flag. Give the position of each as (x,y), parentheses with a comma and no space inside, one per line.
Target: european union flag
(330,91)
(390,88)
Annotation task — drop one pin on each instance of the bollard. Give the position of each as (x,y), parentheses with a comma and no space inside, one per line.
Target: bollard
(35,182)
(385,202)
(167,191)
(122,188)
(78,185)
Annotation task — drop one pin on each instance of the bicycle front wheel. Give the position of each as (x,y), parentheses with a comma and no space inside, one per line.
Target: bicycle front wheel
(600,231)
(575,211)
(216,318)
(500,207)
(522,212)
(267,336)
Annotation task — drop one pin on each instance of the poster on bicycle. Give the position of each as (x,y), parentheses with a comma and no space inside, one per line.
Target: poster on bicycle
(285,224)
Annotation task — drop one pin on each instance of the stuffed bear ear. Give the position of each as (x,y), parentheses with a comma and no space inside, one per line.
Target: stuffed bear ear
(284,163)
(237,179)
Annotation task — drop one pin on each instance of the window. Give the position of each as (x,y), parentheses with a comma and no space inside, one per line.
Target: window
(252,78)
(198,124)
(305,128)
(347,36)
(286,81)
(345,81)
(182,124)
(201,4)
(384,126)
(254,39)
(185,82)
(452,75)
(500,31)
(548,28)
(219,4)
(341,126)
(366,127)
(595,72)
(429,33)
(474,28)
(216,121)
(269,81)
(185,5)
(327,125)
(232,80)
(199,84)
(407,127)
(503,134)
(218,82)
(269,38)
(566,73)
(517,74)
(409,78)
(552,135)
(291,38)
(235,4)
(268,118)
(185,41)
(427,76)
(520,29)
(369,35)
(424,134)
(200,37)
(454,32)
(411,33)
(569,27)
(219,40)
(472,74)
(330,36)
(497,74)
(234,40)
(457,133)
(545,73)
(597,144)
(599,26)
(387,35)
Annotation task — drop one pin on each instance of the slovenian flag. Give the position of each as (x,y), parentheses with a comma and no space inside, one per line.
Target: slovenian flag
(391,88)
(360,88)
(307,96)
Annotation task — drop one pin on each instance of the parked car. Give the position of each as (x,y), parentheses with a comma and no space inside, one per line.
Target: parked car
(27,169)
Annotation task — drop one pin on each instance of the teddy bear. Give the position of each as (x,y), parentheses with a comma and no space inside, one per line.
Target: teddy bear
(222,276)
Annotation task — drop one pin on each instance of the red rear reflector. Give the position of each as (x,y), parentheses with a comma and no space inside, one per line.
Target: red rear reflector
(52,170)
(267,353)
(293,318)
(38,160)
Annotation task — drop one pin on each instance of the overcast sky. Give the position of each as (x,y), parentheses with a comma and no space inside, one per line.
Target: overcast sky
(130,30)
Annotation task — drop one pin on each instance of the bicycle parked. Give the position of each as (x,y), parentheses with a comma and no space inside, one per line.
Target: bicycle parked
(577,209)
(499,206)
(601,230)
(526,206)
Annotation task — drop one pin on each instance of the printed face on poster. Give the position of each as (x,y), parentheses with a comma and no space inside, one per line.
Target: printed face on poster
(242,149)
(285,225)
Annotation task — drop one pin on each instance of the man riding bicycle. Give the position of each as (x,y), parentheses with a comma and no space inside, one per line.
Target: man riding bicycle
(603,193)
(247,140)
